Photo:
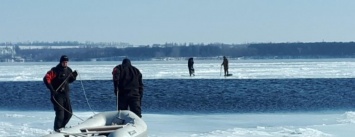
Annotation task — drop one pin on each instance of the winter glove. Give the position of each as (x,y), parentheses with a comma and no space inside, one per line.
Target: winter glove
(75,74)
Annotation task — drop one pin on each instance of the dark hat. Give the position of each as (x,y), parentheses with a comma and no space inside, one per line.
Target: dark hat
(64,58)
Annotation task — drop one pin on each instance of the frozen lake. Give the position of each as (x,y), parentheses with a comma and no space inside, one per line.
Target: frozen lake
(25,123)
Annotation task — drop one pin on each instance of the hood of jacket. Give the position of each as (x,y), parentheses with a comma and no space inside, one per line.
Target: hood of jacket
(126,62)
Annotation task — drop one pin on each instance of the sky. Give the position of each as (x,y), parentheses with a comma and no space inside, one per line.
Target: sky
(146,22)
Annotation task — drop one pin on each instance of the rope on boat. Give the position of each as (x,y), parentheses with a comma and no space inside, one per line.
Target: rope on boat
(87,100)
(66,109)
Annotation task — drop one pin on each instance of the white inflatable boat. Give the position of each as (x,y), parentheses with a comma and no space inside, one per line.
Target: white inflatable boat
(122,123)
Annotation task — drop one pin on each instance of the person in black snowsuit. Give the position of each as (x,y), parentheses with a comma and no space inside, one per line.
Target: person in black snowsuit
(57,81)
(190,65)
(225,65)
(128,86)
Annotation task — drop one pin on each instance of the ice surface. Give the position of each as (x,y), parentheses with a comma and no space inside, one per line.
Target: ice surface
(204,69)
(322,124)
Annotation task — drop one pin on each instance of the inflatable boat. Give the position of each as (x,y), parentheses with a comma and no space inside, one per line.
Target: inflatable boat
(122,123)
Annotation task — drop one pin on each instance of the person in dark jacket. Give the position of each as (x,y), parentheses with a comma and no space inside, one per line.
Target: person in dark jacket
(190,65)
(225,65)
(57,81)
(128,87)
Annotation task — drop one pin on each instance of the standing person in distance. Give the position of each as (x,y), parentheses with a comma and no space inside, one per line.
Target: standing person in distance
(128,87)
(190,65)
(57,81)
(225,65)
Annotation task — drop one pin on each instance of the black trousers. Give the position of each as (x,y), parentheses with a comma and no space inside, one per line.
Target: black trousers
(226,71)
(63,110)
(131,99)
(191,71)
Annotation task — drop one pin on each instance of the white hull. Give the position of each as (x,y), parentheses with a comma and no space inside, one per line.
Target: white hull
(111,124)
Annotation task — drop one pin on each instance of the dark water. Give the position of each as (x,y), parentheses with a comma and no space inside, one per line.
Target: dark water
(195,95)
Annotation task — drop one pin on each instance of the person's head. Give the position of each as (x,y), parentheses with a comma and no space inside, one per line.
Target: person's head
(224,57)
(126,62)
(64,60)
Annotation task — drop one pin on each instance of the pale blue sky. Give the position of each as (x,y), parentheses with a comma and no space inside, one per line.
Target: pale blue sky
(159,21)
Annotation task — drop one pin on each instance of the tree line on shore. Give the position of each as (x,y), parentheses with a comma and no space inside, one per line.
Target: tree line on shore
(86,52)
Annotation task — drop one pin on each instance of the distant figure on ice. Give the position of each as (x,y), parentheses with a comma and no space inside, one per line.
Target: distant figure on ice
(190,65)
(128,87)
(57,81)
(225,65)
